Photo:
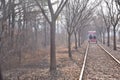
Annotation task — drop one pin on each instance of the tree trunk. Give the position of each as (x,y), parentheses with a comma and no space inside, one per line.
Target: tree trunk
(75,34)
(36,34)
(69,46)
(103,38)
(36,38)
(45,30)
(114,39)
(119,36)
(52,47)
(1,78)
(13,24)
(108,38)
(20,56)
(79,38)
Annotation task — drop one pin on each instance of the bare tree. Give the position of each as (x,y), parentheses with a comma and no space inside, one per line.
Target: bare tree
(52,22)
(118,5)
(84,22)
(76,13)
(102,26)
(74,10)
(16,33)
(106,18)
(114,18)
(99,24)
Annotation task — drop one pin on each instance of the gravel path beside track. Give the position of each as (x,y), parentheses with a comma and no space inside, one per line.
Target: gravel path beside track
(100,66)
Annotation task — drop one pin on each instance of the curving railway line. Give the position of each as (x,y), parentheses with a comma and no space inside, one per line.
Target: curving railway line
(99,64)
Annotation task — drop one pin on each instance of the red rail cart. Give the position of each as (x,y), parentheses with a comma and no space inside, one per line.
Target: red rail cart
(92,37)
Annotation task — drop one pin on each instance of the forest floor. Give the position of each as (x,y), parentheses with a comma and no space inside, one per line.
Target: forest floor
(36,66)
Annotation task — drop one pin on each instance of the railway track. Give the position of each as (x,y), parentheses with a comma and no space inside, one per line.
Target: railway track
(98,60)
(115,59)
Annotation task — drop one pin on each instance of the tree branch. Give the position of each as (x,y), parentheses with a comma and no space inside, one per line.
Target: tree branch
(59,9)
(43,12)
(50,8)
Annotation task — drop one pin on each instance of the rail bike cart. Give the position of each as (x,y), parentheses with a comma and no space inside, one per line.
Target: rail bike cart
(92,37)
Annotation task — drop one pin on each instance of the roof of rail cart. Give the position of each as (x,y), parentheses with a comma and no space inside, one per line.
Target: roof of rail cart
(91,31)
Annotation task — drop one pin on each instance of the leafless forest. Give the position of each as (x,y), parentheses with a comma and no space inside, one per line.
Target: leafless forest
(46,37)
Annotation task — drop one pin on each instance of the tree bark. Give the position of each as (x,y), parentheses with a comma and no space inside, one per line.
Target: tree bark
(103,38)
(108,38)
(69,46)
(76,41)
(79,38)
(13,24)
(119,36)
(52,46)
(45,30)
(1,78)
(114,39)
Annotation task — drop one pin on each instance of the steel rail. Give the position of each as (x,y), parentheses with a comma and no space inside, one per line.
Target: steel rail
(85,58)
(109,54)
(83,66)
